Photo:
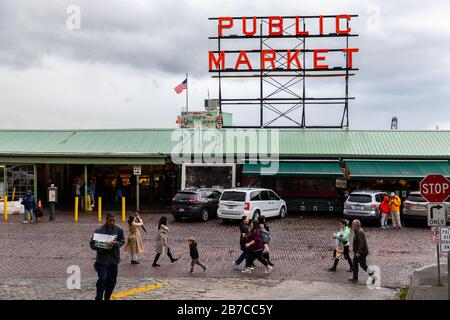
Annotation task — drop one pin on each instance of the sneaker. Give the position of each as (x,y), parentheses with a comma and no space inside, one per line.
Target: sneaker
(93,206)
(24,222)
(235,266)
(269,269)
(247,270)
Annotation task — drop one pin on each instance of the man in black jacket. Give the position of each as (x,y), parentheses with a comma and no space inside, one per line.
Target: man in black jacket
(360,250)
(108,258)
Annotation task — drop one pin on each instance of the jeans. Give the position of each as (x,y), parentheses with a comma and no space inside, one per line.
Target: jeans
(119,194)
(396,220)
(359,261)
(92,195)
(107,279)
(25,214)
(384,220)
(242,257)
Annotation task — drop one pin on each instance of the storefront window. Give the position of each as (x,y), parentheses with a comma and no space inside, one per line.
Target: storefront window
(219,177)
(2,181)
(19,179)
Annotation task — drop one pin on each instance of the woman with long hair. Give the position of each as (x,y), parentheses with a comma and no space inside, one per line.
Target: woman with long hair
(243,227)
(162,242)
(265,236)
(133,244)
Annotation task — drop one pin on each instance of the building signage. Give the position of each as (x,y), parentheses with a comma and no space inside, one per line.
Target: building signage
(275,27)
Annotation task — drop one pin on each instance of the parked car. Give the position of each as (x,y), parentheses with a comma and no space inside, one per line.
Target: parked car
(364,205)
(235,203)
(195,203)
(415,207)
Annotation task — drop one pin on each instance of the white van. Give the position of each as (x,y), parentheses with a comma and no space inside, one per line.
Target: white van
(235,203)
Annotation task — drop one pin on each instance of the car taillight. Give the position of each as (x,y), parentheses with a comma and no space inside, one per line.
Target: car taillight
(247,206)
(174,199)
(193,200)
(346,206)
(374,205)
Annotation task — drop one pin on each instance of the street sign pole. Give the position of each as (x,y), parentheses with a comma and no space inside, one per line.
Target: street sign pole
(438,265)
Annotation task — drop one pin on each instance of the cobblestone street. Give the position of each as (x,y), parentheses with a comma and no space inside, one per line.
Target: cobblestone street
(39,254)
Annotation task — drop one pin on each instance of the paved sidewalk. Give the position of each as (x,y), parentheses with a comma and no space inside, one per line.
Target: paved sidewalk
(424,284)
(191,288)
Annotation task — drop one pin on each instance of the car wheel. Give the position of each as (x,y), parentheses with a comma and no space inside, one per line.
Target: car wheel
(283,212)
(204,216)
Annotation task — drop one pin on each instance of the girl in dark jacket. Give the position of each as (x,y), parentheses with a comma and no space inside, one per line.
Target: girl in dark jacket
(263,227)
(255,248)
(243,228)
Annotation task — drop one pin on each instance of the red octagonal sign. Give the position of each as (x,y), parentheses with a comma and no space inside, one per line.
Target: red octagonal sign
(435,188)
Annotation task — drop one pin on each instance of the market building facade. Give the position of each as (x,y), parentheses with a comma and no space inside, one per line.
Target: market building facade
(315,168)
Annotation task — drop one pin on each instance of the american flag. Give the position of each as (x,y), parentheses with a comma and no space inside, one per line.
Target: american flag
(179,88)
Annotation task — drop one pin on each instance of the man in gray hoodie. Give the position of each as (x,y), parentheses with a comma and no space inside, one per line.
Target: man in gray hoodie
(108,258)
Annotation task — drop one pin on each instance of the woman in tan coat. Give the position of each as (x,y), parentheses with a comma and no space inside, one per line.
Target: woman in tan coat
(161,242)
(133,243)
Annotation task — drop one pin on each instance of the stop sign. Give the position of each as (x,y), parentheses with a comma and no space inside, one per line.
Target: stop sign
(435,188)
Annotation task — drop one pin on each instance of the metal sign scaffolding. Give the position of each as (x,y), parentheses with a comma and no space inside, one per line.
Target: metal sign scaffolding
(283,91)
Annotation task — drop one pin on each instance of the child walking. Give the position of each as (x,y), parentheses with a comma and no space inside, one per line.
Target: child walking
(193,251)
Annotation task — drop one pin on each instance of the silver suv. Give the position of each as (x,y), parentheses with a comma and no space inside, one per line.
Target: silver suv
(415,207)
(364,205)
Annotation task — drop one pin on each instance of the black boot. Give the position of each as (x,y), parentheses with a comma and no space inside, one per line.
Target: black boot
(155,264)
(333,268)
(172,259)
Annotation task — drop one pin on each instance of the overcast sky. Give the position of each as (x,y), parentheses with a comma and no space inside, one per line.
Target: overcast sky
(119,69)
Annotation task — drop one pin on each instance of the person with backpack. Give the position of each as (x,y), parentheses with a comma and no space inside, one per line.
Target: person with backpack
(255,248)
(395,211)
(384,209)
(29,204)
(265,237)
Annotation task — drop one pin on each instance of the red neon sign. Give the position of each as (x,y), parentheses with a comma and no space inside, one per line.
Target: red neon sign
(277,27)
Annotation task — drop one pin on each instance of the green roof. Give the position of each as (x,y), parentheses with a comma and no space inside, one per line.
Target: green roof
(397,169)
(126,144)
(292,169)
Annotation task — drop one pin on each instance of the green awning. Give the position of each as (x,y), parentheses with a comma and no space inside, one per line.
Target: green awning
(82,160)
(396,169)
(294,169)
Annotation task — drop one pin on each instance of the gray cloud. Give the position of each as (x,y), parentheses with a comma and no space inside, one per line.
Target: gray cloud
(129,55)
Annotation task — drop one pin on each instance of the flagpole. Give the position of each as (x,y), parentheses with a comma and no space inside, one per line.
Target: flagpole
(187,92)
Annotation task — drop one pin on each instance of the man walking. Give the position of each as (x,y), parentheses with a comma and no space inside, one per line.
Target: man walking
(360,250)
(29,204)
(395,211)
(108,257)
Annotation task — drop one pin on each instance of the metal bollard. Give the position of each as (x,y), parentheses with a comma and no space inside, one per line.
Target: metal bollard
(123,209)
(5,208)
(99,209)
(89,203)
(76,209)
